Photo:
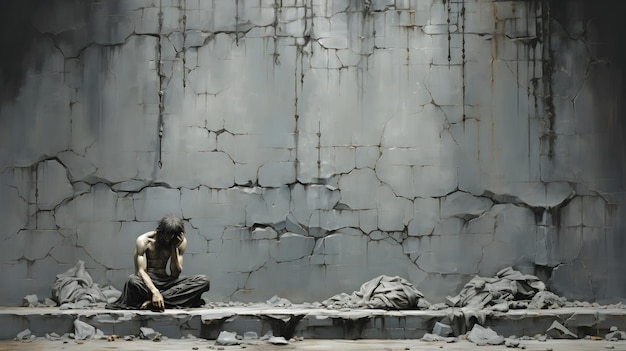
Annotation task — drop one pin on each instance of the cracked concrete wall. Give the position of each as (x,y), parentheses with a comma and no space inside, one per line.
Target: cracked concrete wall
(312,145)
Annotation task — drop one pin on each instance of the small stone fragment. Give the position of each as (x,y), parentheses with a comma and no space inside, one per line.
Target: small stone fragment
(24,334)
(267,336)
(500,307)
(278,340)
(227,338)
(52,336)
(453,301)
(442,329)
(250,335)
(49,302)
(483,336)
(147,333)
(511,343)
(428,337)
(616,335)
(30,301)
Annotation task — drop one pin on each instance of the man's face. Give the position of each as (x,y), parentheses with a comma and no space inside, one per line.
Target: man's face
(174,240)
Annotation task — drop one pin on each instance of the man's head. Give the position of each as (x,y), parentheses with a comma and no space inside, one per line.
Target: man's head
(169,228)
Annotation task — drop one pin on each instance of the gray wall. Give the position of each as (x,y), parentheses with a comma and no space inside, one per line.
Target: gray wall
(312,145)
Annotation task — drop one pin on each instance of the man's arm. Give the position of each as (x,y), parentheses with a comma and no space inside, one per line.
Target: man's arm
(176,260)
(141,264)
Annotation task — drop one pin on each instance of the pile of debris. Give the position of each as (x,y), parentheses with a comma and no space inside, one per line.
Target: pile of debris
(483,336)
(75,289)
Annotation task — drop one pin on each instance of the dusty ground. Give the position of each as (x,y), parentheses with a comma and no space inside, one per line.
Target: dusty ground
(306,345)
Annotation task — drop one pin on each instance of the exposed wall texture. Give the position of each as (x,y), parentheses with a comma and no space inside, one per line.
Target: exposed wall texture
(311,145)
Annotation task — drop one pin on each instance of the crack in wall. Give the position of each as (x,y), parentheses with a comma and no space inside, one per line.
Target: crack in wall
(549,135)
(313,224)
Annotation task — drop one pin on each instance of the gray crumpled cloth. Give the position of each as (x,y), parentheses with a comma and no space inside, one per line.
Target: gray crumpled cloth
(381,292)
(507,285)
(75,289)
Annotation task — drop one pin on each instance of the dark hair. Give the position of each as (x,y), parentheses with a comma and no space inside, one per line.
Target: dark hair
(169,227)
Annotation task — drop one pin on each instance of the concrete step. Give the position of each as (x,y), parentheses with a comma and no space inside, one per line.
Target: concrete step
(310,323)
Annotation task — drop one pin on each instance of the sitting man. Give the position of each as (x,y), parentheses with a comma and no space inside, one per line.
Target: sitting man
(151,287)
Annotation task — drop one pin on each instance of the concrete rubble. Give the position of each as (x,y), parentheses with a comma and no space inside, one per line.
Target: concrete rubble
(481,300)
(322,141)
(227,338)
(614,334)
(76,289)
(559,331)
(442,329)
(484,336)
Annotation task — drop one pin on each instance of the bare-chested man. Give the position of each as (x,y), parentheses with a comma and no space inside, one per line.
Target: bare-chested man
(151,287)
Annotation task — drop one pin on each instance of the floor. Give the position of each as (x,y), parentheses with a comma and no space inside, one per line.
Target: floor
(305,345)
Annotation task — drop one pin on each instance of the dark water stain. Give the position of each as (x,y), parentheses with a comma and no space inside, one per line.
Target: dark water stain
(17,38)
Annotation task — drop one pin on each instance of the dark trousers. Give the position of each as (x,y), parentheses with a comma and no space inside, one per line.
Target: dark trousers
(178,292)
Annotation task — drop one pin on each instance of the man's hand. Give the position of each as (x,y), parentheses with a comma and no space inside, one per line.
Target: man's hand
(157,301)
(179,245)
(178,240)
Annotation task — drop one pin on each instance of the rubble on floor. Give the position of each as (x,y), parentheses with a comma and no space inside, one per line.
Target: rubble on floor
(381,292)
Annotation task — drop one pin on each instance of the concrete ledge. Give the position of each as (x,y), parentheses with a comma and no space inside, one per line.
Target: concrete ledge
(311,323)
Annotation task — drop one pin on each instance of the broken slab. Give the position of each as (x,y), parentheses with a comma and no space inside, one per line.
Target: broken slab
(559,331)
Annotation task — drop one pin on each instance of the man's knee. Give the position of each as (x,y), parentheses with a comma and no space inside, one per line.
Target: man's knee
(135,281)
(203,280)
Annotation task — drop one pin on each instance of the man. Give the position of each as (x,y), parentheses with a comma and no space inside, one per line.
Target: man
(151,287)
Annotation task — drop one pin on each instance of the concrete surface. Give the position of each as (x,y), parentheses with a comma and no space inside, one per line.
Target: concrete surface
(306,345)
(312,145)
(310,323)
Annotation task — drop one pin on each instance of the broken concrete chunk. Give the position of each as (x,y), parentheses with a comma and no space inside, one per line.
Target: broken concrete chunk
(615,335)
(227,338)
(278,340)
(49,302)
(250,335)
(53,336)
(559,331)
(267,335)
(484,336)
(501,307)
(453,301)
(546,299)
(442,329)
(511,343)
(84,331)
(24,334)
(279,301)
(148,333)
(428,337)
(30,301)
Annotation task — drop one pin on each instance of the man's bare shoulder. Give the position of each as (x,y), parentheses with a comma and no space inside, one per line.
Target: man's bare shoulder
(145,238)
